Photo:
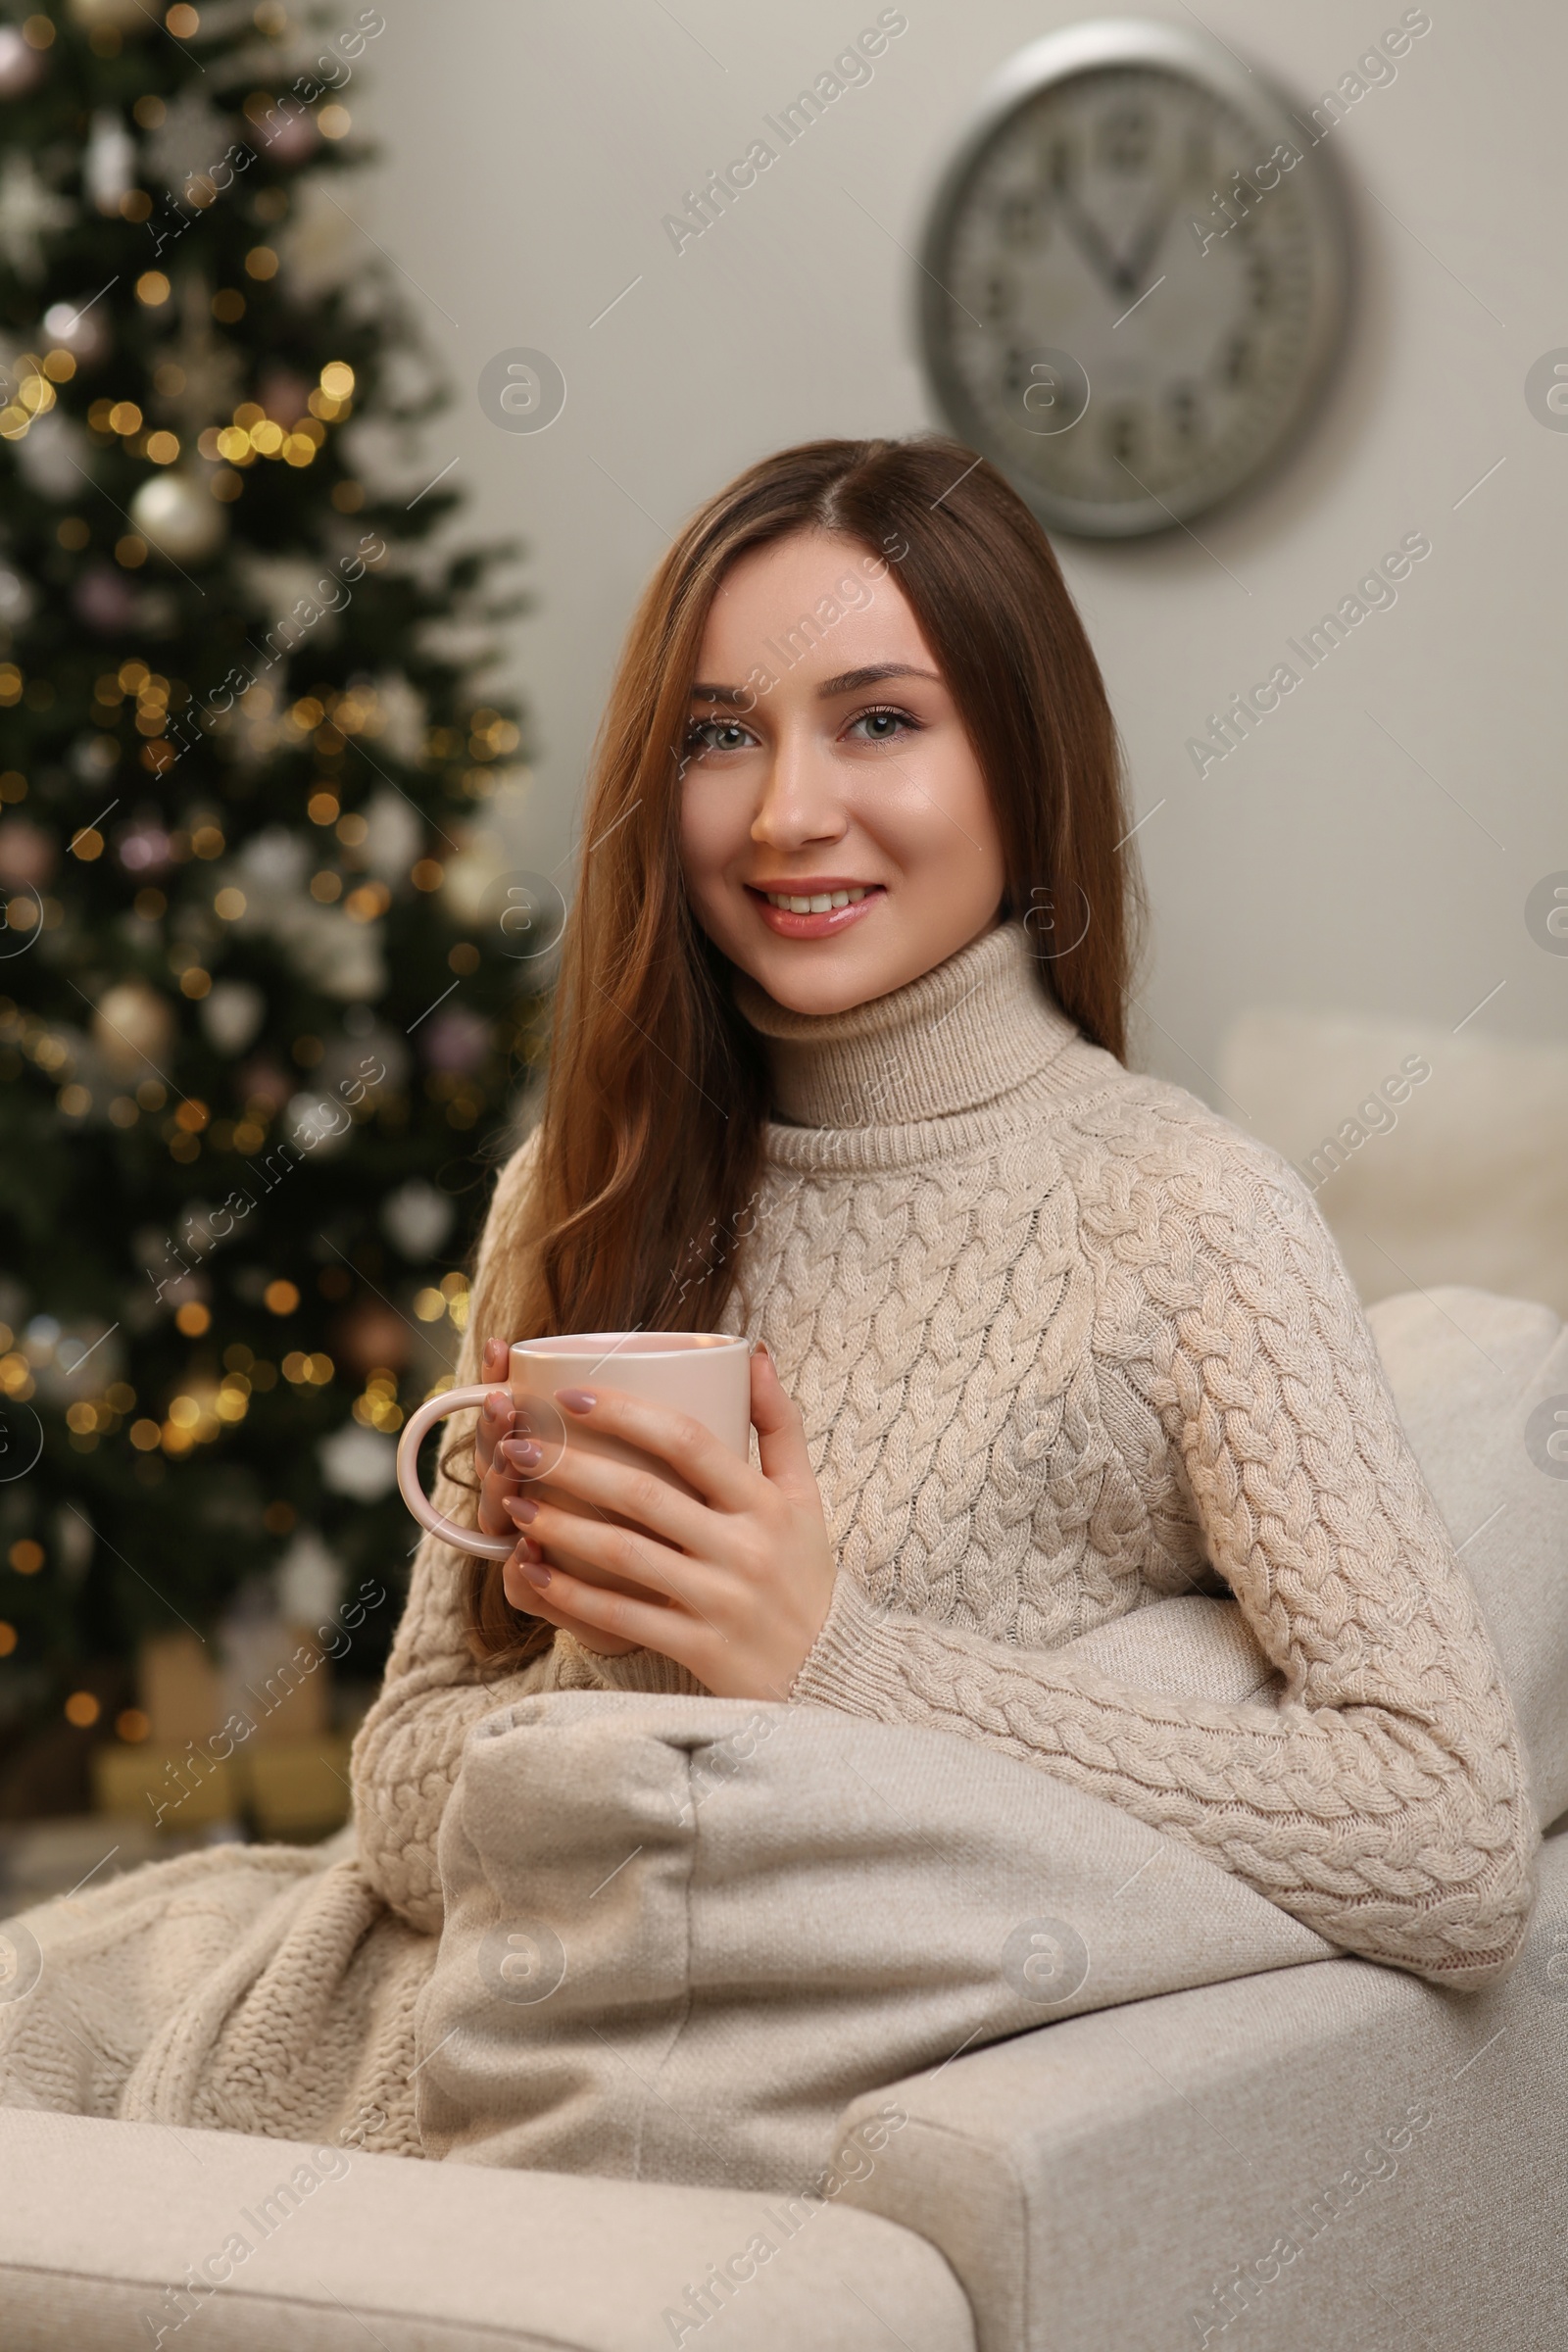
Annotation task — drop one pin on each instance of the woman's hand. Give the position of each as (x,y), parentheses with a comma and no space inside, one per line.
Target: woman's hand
(499,1482)
(738,1583)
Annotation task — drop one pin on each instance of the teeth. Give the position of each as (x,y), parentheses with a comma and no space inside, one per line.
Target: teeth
(819,903)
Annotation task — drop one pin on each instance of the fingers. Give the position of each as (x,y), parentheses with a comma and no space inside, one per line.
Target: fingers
(720,1477)
(780,1431)
(643,1624)
(498,1477)
(623,1551)
(643,1495)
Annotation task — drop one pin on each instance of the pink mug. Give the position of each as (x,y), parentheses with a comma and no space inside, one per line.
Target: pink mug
(703,1373)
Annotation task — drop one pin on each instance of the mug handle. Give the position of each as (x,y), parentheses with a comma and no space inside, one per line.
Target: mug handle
(425,1416)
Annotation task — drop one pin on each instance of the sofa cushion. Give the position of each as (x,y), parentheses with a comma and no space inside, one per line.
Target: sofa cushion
(1340,2155)
(682,1931)
(1481,1383)
(1478,1381)
(103,2224)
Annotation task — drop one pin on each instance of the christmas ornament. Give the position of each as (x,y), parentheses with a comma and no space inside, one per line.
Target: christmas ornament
(28,211)
(404,716)
(308,1581)
(79,327)
(294,138)
(456,1041)
(395,838)
(213,369)
(109,167)
(316,1124)
(232,1015)
(284,394)
(417,1218)
(133,1029)
(372,1335)
(105,600)
(263,1081)
(359,1462)
(93,758)
(21,65)
(144,849)
(16,599)
(27,853)
(178,517)
(54,455)
(189,144)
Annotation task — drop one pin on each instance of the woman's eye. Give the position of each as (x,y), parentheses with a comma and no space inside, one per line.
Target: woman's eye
(716,735)
(883,725)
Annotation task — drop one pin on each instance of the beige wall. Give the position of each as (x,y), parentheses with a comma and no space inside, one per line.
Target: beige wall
(534,149)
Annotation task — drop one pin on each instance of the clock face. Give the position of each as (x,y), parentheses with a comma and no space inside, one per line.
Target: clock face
(1132,279)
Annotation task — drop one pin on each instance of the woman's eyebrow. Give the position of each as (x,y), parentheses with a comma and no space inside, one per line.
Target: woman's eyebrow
(848,681)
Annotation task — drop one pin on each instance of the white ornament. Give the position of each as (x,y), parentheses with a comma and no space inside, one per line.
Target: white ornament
(326,947)
(54,455)
(21,63)
(318,1124)
(16,599)
(359,1462)
(308,1581)
(178,518)
(189,144)
(79,327)
(403,716)
(396,835)
(418,1218)
(28,211)
(232,1013)
(110,167)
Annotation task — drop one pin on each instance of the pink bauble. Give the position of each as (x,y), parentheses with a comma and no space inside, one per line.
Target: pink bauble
(105,600)
(21,65)
(28,853)
(79,327)
(456,1041)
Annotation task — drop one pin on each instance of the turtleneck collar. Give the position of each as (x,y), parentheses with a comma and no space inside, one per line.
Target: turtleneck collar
(951,1042)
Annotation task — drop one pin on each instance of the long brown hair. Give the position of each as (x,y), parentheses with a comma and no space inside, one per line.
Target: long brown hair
(650,1133)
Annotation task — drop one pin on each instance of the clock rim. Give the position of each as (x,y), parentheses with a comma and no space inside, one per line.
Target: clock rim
(1088,47)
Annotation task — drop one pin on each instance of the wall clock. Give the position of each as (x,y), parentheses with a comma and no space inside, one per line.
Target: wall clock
(1134,277)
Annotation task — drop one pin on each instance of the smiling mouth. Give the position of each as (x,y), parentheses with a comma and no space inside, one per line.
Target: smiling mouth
(815,902)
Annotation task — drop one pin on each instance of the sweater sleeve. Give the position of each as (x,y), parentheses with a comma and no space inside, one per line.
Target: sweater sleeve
(1383,1799)
(408,1748)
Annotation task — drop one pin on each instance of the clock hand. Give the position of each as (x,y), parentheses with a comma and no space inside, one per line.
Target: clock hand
(1085,231)
(1147,244)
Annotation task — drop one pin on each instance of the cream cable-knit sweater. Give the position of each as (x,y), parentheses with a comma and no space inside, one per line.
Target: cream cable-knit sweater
(1065,1341)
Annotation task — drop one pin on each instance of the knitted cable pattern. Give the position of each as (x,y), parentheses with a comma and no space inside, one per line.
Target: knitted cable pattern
(1065,1341)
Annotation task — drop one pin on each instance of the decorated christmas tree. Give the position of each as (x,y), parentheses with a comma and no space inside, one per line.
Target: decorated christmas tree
(266,992)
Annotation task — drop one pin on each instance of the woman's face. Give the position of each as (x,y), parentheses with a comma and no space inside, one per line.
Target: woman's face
(827,763)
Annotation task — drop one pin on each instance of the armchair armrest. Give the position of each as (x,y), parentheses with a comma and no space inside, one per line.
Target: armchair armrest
(1338,2152)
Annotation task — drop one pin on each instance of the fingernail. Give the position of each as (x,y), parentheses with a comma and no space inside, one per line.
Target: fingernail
(761,1348)
(576,1400)
(522,1452)
(521,1509)
(536,1572)
(492,1406)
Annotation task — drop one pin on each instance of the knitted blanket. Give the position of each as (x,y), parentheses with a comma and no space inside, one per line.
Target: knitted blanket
(245,1989)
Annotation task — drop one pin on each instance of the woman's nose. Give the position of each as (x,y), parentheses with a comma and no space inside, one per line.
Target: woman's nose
(801,800)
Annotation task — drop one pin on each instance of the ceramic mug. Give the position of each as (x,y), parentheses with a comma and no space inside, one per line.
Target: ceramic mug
(703,1373)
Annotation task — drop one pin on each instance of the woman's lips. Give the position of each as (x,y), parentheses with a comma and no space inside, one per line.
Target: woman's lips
(827,924)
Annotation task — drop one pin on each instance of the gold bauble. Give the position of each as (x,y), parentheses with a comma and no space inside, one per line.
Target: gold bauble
(133,1029)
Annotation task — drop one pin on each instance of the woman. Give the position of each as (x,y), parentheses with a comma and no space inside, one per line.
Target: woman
(838,1064)
(1039,1340)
